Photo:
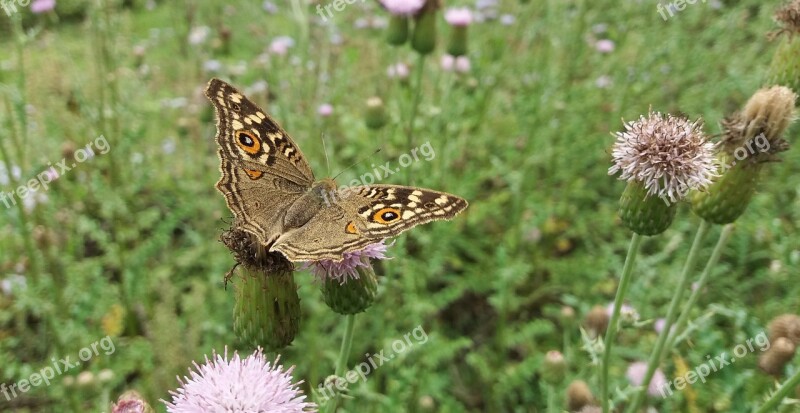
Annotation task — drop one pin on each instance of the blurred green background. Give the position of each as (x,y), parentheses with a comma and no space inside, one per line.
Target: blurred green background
(126,245)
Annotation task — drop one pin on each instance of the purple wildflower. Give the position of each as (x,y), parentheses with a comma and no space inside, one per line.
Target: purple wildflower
(351,261)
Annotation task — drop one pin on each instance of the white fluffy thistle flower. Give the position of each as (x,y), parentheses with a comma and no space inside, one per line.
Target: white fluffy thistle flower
(239,385)
(669,155)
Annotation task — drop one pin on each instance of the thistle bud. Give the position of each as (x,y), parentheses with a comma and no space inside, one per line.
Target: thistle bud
(375,116)
(775,358)
(750,138)
(596,321)
(423,38)
(352,296)
(785,69)
(786,326)
(131,402)
(267,308)
(553,368)
(459,20)
(397,32)
(578,396)
(645,214)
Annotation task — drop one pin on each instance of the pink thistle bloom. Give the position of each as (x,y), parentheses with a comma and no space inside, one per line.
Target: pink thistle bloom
(448,63)
(458,16)
(281,45)
(325,110)
(351,261)
(635,375)
(403,7)
(604,46)
(462,64)
(236,385)
(43,6)
(399,70)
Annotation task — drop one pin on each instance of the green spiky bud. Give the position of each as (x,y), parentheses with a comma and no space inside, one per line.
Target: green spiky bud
(423,39)
(645,214)
(785,66)
(267,308)
(375,116)
(554,367)
(351,295)
(397,32)
(726,199)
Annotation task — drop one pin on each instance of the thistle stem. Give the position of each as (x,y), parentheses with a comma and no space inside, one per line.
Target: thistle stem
(772,404)
(344,352)
(655,356)
(712,262)
(611,333)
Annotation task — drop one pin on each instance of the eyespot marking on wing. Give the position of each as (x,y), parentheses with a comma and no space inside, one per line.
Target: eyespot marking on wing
(386,215)
(248,142)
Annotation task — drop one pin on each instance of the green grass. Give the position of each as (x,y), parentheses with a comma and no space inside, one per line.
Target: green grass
(127,243)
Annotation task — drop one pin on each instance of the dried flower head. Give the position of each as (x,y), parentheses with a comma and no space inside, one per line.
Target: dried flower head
(788,17)
(786,326)
(669,155)
(236,385)
(760,126)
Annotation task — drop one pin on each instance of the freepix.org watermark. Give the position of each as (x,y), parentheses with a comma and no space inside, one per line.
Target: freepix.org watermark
(59,367)
(759,144)
(53,172)
(337,5)
(380,172)
(332,384)
(715,364)
(674,7)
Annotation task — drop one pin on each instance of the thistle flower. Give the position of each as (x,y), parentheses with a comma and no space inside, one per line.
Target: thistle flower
(349,286)
(324,110)
(605,46)
(42,6)
(661,156)
(402,7)
(665,153)
(398,70)
(236,385)
(635,375)
(280,45)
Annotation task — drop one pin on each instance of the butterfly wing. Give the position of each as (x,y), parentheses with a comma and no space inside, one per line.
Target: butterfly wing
(263,170)
(363,215)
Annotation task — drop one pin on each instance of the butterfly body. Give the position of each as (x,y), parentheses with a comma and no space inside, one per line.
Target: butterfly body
(271,190)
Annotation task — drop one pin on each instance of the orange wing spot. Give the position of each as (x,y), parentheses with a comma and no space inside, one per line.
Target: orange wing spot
(386,215)
(247,141)
(351,228)
(253,174)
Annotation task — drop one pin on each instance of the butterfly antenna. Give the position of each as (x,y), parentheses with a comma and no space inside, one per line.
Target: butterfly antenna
(325,148)
(356,163)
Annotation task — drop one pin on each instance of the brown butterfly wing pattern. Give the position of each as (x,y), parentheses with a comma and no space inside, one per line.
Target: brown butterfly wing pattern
(365,215)
(270,188)
(263,171)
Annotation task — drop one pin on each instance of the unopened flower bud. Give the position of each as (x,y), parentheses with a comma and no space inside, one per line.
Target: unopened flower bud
(775,358)
(578,395)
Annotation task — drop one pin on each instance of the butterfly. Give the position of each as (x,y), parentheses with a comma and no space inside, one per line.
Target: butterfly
(271,190)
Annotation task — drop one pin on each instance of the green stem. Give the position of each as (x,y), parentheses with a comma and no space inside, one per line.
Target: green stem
(772,404)
(655,356)
(344,352)
(611,333)
(551,399)
(712,262)
(415,102)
